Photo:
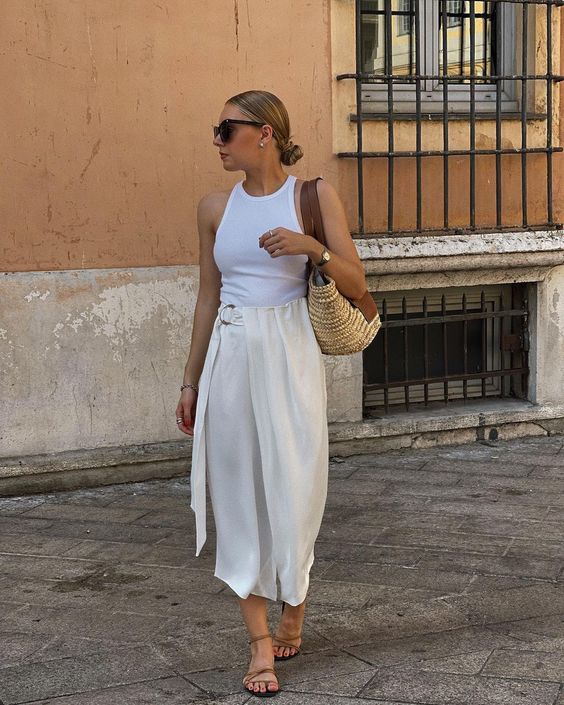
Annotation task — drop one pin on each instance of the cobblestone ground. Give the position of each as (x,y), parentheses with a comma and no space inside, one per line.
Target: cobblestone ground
(438,580)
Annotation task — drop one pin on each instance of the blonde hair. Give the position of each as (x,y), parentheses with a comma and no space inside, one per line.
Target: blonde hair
(265,107)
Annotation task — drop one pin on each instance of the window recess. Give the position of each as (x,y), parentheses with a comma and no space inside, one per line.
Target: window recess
(446,345)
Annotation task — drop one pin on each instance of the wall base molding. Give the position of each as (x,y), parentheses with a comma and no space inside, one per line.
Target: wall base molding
(459,423)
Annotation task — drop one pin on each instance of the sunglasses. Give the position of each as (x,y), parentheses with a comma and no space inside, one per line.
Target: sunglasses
(225,128)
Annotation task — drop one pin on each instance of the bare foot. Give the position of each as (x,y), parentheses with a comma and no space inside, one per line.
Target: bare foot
(261,657)
(290,627)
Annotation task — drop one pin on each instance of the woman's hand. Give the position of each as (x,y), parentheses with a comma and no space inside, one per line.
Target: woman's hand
(281,241)
(186,410)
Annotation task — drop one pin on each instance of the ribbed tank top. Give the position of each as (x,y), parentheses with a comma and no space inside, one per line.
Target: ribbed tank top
(249,275)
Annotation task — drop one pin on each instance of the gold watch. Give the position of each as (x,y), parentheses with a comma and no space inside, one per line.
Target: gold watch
(325,257)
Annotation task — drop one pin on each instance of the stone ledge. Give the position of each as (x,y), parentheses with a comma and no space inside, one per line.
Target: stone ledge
(92,459)
(460,423)
(467,244)
(440,253)
(456,416)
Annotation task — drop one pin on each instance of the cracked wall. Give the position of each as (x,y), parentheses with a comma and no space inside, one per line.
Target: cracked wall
(95,358)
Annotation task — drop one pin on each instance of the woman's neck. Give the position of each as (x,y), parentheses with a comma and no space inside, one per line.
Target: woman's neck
(264,183)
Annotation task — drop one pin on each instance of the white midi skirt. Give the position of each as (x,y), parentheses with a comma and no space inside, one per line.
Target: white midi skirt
(261,443)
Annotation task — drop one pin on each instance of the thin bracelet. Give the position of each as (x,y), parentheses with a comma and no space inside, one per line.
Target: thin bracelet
(189,386)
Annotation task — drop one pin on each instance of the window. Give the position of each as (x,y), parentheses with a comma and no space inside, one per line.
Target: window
(404,21)
(440,346)
(454,12)
(408,37)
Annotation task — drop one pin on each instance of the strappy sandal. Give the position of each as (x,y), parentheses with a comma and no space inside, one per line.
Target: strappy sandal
(248,677)
(282,642)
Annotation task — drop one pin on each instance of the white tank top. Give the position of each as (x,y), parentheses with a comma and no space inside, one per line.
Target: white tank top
(249,275)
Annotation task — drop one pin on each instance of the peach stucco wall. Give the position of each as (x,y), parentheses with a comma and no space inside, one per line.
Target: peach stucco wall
(107,139)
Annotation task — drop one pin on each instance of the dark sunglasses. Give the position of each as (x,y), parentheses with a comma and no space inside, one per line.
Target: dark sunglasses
(225,129)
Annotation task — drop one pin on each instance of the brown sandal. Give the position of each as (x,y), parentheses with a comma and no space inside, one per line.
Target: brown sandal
(248,677)
(282,642)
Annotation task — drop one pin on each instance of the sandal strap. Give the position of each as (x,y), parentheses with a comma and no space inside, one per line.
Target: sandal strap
(251,674)
(258,638)
(286,643)
(298,636)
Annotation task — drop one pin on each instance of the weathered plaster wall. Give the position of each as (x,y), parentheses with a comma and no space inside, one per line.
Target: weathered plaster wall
(94,358)
(547,340)
(106,144)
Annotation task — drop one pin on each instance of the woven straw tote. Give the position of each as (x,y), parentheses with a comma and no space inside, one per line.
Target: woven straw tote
(341,326)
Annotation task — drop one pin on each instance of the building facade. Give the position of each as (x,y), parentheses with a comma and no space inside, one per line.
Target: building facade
(450,170)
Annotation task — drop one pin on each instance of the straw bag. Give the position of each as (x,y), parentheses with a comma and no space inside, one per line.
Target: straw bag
(342,326)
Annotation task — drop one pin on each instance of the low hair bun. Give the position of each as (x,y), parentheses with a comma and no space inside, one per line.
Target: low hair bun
(291,153)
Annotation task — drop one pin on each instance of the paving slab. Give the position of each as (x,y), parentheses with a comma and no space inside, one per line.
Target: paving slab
(445,540)
(16,648)
(430,647)
(174,691)
(526,663)
(84,513)
(534,602)
(48,679)
(525,565)
(379,476)
(443,581)
(416,686)
(345,684)
(485,468)
(534,628)
(226,681)
(438,580)
(145,694)
(123,627)
(469,663)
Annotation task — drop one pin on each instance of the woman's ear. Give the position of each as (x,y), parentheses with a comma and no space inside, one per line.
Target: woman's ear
(266,133)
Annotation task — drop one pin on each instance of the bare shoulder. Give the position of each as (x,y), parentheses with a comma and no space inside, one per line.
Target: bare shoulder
(327,192)
(211,208)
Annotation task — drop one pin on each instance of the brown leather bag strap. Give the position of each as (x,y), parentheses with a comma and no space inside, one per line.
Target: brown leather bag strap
(313,225)
(306,210)
(316,211)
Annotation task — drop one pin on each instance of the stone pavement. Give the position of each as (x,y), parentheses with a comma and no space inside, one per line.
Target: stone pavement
(438,580)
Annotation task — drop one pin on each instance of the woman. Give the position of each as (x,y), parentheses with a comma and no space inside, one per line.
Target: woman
(254,395)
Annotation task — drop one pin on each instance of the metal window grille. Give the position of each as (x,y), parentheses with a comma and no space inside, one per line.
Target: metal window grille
(447,345)
(480,68)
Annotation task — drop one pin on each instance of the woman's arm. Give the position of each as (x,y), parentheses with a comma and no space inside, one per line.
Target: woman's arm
(345,266)
(206,308)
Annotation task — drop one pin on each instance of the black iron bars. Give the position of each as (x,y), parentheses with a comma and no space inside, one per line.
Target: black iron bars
(503,78)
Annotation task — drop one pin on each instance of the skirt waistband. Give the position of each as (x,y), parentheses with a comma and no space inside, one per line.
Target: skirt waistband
(232,314)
